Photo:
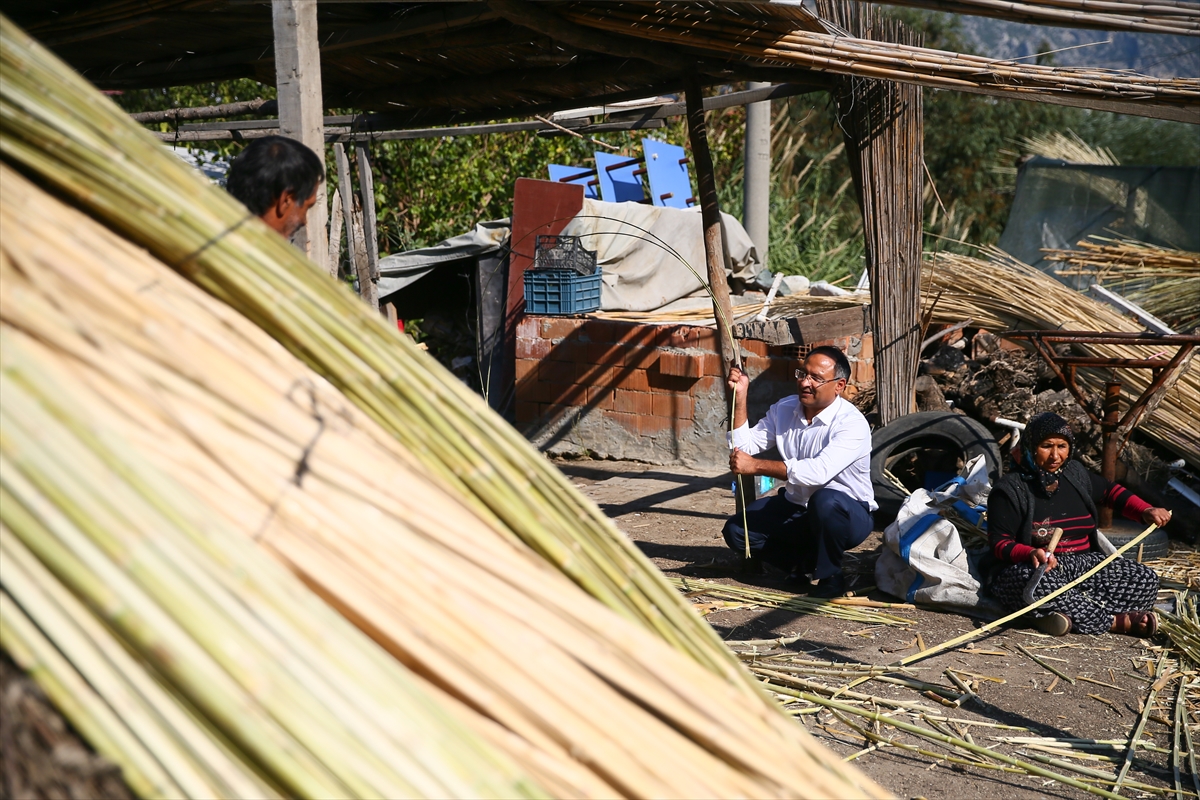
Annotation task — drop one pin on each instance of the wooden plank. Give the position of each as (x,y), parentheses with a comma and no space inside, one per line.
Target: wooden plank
(355,246)
(301,108)
(710,212)
(366,187)
(335,234)
(820,327)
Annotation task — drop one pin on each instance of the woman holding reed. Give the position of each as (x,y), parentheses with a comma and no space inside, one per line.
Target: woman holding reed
(1048,490)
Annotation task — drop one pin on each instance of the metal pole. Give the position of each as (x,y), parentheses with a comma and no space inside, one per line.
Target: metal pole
(756,180)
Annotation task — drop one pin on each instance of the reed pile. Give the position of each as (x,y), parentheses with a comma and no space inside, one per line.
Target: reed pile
(929,724)
(1067,147)
(724,34)
(1001,293)
(198,516)
(60,129)
(884,131)
(1164,281)
(1181,566)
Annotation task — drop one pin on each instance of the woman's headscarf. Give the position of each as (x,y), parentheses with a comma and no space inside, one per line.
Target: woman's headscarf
(1038,430)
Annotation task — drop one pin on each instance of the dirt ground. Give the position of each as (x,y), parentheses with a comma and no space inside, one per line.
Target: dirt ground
(675,516)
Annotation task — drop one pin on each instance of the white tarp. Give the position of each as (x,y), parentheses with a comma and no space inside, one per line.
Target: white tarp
(652,256)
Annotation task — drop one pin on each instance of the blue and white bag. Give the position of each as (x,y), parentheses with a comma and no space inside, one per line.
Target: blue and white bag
(923,559)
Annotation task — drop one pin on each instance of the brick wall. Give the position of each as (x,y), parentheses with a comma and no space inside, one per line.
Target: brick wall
(652,393)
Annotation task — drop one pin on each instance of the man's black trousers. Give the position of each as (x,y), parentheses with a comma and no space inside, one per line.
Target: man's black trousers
(809,539)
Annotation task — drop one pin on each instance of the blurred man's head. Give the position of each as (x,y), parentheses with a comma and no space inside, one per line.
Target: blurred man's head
(277,179)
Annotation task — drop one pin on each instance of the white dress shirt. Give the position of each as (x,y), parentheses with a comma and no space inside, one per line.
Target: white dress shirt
(833,450)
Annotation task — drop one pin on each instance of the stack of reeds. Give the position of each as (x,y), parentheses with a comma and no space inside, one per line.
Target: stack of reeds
(185,504)
(59,128)
(726,34)
(1001,293)
(1162,280)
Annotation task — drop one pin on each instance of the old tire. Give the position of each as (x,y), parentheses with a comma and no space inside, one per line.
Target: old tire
(1152,547)
(952,436)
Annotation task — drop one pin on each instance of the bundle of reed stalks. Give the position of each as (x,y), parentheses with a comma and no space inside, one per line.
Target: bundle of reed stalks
(1001,293)
(1164,281)
(59,128)
(725,34)
(190,503)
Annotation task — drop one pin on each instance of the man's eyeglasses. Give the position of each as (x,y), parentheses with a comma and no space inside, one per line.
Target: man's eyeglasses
(802,376)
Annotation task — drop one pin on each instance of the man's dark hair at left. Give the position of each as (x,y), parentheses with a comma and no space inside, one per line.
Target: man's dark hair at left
(270,166)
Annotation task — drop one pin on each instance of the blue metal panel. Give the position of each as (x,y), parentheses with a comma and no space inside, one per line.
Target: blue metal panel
(581,175)
(618,184)
(666,167)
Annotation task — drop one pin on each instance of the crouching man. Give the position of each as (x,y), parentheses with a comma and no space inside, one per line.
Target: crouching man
(825,443)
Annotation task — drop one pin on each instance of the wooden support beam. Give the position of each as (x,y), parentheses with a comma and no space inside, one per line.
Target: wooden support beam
(710,212)
(366,188)
(355,239)
(819,327)
(756,178)
(301,105)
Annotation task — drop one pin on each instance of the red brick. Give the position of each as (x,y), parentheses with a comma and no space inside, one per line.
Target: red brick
(634,380)
(526,370)
(566,394)
(669,383)
(556,372)
(554,411)
(709,384)
(552,328)
(627,421)
(753,346)
(600,331)
(601,397)
(712,364)
(594,375)
(526,411)
(605,353)
(637,334)
(700,338)
(641,357)
(672,405)
(574,352)
(536,349)
(651,426)
(862,371)
(634,402)
(527,327)
(755,365)
(681,365)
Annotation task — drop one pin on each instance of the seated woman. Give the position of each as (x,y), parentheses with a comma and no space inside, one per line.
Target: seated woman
(1052,490)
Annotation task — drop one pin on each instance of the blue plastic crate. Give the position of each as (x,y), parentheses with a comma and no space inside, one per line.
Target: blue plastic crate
(561,291)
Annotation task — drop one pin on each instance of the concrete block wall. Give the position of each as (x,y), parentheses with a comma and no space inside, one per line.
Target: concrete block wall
(652,393)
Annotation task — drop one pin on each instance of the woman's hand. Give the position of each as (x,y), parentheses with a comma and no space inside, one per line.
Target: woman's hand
(1040,556)
(1159,516)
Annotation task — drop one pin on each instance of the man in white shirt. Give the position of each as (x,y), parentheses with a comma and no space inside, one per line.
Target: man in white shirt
(825,443)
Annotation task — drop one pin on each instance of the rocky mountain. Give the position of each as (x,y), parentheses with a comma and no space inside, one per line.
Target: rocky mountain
(1146,53)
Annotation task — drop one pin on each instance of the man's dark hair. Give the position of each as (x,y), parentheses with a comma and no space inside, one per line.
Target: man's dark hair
(841,364)
(271,166)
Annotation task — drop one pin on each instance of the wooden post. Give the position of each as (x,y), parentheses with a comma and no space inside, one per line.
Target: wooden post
(710,213)
(366,188)
(355,245)
(301,109)
(1109,453)
(335,234)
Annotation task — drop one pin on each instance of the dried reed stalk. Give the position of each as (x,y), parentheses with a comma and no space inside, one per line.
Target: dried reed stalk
(753,40)
(1164,281)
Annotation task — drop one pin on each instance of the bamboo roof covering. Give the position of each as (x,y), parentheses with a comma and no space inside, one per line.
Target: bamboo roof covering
(439,62)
